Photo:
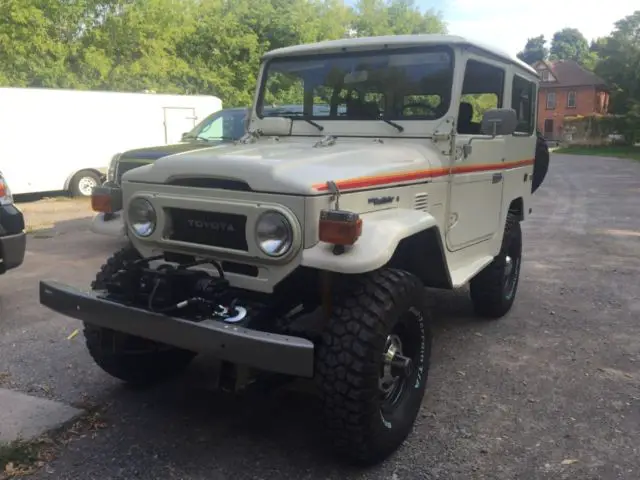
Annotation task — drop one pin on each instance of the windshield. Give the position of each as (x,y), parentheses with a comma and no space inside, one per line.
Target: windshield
(222,125)
(412,84)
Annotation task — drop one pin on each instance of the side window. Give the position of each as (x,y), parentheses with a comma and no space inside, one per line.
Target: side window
(482,89)
(523,101)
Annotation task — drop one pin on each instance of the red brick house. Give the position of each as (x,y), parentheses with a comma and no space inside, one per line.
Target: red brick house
(566,90)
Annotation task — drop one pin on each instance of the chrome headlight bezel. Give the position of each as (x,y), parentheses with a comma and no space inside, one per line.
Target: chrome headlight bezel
(287,239)
(142,217)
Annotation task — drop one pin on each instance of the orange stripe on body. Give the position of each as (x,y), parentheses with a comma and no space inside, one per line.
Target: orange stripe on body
(379,180)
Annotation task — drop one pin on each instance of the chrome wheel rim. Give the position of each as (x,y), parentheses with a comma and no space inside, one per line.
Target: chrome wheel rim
(85,185)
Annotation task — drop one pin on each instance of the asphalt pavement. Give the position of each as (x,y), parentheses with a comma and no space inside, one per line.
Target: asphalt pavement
(551,391)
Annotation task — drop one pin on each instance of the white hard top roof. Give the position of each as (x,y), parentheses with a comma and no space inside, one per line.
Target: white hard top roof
(395,41)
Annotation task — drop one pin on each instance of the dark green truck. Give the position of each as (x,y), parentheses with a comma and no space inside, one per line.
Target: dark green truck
(223,126)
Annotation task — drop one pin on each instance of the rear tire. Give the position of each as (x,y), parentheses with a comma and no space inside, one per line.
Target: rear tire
(83,182)
(369,411)
(129,358)
(541,163)
(494,289)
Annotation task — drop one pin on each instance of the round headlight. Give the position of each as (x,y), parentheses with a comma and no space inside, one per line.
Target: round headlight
(142,217)
(274,234)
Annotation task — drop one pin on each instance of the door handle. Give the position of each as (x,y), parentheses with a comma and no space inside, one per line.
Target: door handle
(497,178)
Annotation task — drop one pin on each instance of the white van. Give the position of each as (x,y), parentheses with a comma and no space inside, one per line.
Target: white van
(63,140)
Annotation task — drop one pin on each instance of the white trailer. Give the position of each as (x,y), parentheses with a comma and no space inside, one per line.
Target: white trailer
(63,140)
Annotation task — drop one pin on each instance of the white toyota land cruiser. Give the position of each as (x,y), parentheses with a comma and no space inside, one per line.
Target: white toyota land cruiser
(304,248)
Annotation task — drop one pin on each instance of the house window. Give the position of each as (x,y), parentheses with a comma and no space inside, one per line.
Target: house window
(571,100)
(551,100)
(546,76)
(523,101)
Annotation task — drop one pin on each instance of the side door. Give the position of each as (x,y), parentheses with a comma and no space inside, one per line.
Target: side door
(177,120)
(475,201)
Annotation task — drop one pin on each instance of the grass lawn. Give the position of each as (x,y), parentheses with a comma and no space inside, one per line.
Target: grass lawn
(604,151)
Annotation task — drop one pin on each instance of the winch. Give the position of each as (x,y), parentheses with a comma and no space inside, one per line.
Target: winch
(177,290)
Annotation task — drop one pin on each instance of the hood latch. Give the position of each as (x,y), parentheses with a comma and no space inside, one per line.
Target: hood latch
(250,137)
(335,191)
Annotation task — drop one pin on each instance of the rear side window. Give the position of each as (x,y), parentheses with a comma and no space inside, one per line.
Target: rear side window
(523,101)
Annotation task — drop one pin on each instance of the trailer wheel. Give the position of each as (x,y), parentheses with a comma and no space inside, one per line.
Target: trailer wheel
(83,182)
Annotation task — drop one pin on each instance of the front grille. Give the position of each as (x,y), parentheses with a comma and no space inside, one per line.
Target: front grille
(214,229)
(124,166)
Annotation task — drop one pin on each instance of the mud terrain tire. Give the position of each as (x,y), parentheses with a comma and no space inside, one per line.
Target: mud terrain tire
(493,290)
(129,358)
(364,427)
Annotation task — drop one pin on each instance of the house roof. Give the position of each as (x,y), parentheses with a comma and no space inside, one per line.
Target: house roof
(568,73)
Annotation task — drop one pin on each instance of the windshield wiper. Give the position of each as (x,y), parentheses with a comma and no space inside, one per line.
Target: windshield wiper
(205,139)
(395,125)
(300,117)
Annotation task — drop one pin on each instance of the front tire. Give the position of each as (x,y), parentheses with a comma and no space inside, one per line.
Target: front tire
(129,358)
(494,289)
(369,405)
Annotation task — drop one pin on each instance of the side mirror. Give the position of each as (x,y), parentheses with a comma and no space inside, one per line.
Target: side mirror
(183,138)
(499,121)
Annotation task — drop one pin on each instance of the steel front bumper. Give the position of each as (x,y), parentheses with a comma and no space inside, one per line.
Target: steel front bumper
(261,350)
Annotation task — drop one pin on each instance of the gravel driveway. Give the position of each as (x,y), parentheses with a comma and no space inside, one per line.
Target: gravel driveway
(551,391)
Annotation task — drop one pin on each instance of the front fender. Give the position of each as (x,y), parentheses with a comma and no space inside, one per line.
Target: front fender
(381,233)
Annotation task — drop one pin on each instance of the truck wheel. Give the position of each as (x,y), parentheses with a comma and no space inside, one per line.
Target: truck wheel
(493,290)
(372,364)
(83,182)
(129,358)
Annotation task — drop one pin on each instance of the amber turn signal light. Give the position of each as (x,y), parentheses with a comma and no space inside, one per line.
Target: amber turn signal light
(339,227)
(106,199)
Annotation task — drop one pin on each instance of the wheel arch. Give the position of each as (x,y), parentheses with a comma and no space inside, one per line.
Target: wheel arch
(397,238)
(422,254)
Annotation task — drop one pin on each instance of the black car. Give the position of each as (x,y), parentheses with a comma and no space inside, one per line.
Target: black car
(13,239)
(220,127)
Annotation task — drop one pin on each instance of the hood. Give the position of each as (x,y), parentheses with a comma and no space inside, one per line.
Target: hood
(297,167)
(154,153)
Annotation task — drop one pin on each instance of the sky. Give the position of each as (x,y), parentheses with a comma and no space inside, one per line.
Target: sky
(507,24)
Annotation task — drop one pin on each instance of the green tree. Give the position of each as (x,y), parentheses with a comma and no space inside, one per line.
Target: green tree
(183,46)
(394,17)
(133,47)
(40,41)
(569,44)
(534,51)
(620,68)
